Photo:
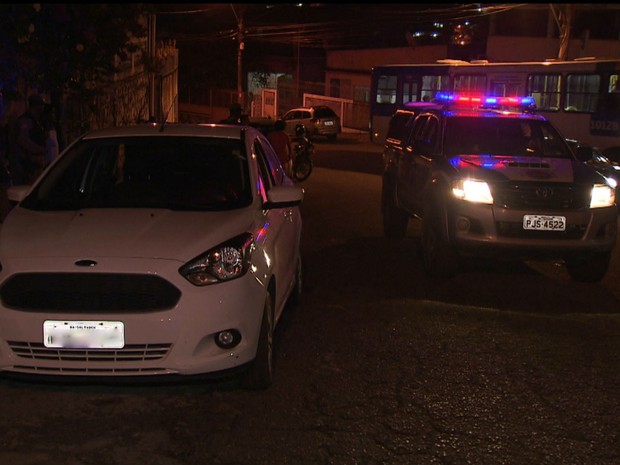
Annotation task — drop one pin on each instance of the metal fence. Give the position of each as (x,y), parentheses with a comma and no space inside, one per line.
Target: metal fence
(208,103)
(353,115)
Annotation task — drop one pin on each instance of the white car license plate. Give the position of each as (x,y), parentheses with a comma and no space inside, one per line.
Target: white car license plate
(84,334)
(329,123)
(544,223)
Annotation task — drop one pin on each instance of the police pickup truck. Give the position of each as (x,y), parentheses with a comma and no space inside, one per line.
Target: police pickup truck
(487,180)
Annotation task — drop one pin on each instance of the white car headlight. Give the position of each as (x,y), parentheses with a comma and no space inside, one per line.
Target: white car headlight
(472,191)
(603,195)
(227,261)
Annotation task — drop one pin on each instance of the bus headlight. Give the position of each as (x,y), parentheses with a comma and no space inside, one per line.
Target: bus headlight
(603,195)
(472,191)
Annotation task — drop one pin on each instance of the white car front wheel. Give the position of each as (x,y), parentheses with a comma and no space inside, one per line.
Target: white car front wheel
(260,371)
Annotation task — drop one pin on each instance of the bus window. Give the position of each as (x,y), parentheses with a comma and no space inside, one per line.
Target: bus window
(611,101)
(582,92)
(614,85)
(410,91)
(503,86)
(470,83)
(545,88)
(433,84)
(386,89)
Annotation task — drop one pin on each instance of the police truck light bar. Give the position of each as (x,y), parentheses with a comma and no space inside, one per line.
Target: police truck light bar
(486,102)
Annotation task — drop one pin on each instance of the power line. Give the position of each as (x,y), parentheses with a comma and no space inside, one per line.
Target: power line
(280,22)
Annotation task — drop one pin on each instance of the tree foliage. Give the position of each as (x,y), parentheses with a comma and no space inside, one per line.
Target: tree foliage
(61,47)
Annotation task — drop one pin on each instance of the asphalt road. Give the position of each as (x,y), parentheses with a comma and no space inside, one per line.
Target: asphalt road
(505,364)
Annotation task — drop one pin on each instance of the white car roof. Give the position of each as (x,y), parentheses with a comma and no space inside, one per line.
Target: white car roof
(172,129)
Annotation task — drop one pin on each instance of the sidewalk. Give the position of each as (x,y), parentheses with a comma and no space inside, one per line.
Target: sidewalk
(350,140)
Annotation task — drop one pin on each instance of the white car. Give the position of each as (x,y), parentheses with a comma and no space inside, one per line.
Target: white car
(151,250)
(318,120)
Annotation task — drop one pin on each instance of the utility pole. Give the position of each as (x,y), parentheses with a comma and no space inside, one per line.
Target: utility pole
(298,70)
(152,36)
(240,47)
(564,20)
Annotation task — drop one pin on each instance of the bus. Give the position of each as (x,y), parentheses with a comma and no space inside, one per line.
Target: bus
(580,97)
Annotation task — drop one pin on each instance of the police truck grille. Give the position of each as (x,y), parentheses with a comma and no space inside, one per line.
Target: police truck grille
(541,196)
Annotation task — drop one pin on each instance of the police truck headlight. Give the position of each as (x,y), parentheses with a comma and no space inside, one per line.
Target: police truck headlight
(603,195)
(472,191)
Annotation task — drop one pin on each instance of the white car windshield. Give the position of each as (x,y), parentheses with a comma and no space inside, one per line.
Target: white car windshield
(177,173)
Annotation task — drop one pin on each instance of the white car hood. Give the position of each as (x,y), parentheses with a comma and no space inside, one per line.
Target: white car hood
(127,233)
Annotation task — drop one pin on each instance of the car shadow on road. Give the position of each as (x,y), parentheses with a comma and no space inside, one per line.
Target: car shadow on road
(375,268)
(361,162)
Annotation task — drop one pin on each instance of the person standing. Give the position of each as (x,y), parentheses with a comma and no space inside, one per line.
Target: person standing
(28,153)
(281,143)
(51,138)
(235,115)
(5,174)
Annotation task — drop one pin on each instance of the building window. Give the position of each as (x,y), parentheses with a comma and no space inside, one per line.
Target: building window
(545,88)
(361,94)
(334,88)
(345,89)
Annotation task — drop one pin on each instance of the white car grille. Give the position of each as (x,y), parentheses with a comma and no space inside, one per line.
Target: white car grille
(88,292)
(129,353)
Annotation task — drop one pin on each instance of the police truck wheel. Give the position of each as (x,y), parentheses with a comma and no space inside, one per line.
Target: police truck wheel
(395,220)
(440,258)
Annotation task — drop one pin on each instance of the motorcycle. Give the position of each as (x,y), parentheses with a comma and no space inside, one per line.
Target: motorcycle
(302,162)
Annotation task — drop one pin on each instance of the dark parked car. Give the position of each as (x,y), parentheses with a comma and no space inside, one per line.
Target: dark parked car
(594,157)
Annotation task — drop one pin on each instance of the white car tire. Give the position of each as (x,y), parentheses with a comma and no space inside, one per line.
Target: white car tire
(260,372)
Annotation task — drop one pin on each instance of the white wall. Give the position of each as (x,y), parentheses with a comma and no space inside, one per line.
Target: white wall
(365,60)
(506,48)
